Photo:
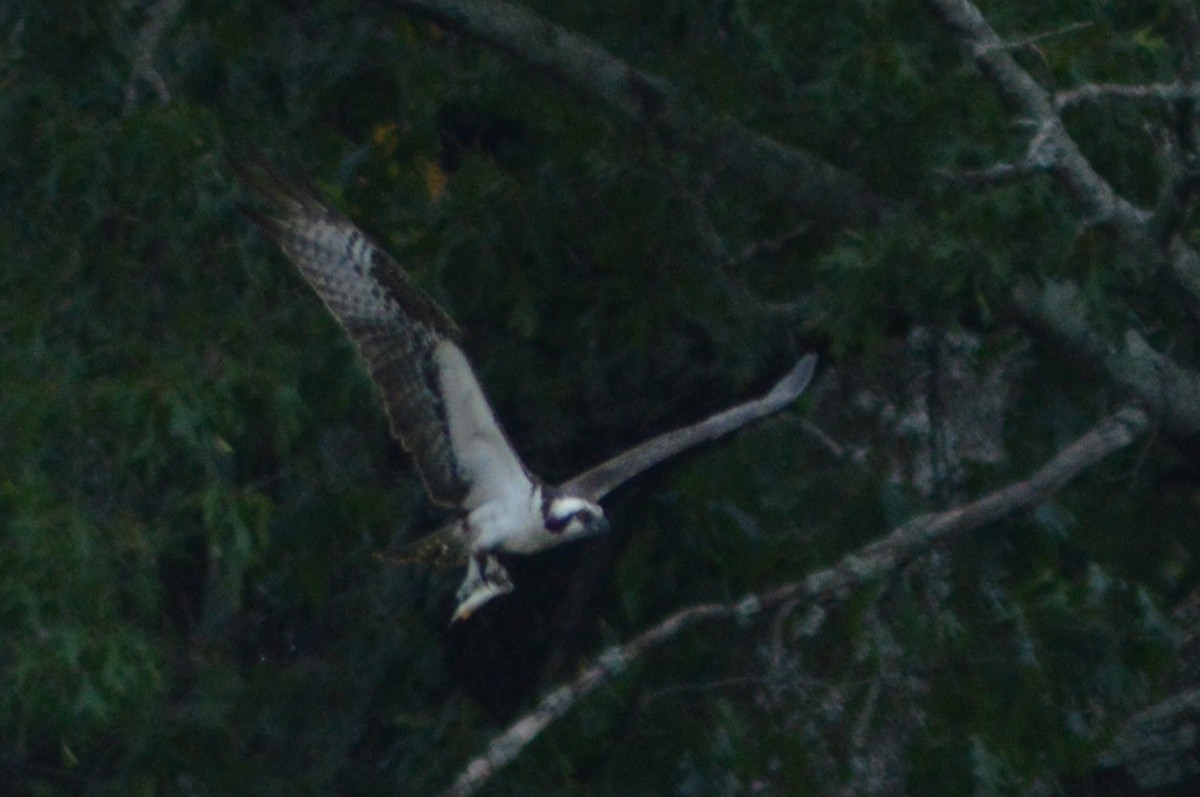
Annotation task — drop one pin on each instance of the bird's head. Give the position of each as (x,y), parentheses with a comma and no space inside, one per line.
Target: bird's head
(570,517)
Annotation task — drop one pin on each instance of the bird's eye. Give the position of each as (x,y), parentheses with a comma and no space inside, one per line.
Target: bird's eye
(557,524)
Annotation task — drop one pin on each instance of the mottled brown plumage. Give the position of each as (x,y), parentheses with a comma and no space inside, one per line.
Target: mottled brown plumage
(394,323)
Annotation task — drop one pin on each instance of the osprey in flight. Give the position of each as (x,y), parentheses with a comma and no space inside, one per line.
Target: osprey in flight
(439,412)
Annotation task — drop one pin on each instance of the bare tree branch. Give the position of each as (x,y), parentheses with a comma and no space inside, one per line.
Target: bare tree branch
(835,449)
(1189,34)
(815,188)
(996,174)
(770,246)
(834,583)
(1153,92)
(159,16)
(1029,41)
(1157,745)
(1023,94)
(1097,199)
(1182,150)
(744,300)
(1175,200)
(1168,390)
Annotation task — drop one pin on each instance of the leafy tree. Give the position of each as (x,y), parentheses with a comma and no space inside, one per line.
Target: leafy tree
(966,563)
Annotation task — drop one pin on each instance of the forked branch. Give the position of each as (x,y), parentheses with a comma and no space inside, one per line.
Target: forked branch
(1098,200)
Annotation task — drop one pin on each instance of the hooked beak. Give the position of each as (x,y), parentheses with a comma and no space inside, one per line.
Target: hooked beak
(600,526)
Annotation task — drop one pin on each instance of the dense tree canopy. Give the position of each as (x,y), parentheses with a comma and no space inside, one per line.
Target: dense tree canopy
(965,563)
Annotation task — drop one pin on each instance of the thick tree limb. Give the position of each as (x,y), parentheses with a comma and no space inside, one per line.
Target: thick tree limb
(1168,390)
(815,188)
(834,583)
(1098,200)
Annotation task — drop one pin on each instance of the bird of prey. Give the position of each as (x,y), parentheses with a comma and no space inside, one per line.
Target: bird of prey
(437,408)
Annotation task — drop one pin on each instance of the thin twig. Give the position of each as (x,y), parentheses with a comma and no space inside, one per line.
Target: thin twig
(1188,20)
(996,174)
(770,246)
(701,687)
(1029,41)
(835,449)
(160,16)
(1151,92)
(744,300)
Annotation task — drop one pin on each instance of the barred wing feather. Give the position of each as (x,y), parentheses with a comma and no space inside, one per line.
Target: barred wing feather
(434,402)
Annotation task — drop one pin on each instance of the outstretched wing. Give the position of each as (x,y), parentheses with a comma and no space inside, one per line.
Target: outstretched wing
(433,399)
(606,477)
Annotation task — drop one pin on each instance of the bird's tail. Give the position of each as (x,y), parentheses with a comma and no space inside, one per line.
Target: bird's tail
(443,548)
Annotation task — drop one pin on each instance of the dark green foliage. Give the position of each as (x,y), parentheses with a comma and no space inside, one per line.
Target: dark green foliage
(195,472)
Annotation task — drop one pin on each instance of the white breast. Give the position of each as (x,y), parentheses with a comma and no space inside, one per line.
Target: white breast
(511,522)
